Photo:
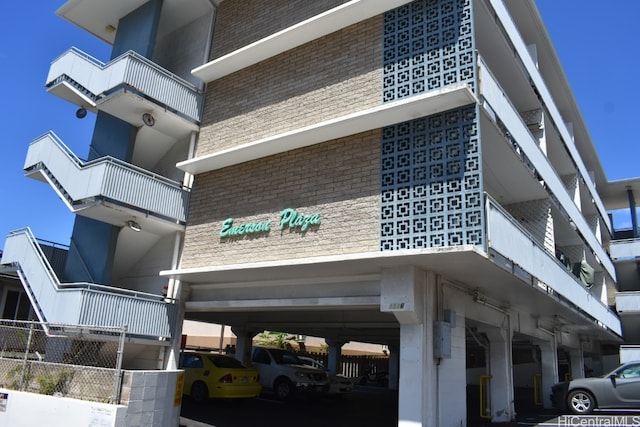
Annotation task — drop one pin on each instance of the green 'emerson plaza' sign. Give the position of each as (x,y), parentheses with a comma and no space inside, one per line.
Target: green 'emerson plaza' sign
(289,218)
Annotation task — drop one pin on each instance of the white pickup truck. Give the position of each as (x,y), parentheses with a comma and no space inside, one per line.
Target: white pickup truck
(281,371)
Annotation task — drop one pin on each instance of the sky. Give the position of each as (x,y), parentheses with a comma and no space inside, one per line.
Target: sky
(597,45)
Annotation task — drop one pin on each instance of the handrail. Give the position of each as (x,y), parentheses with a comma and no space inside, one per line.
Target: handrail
(521,51)
(82,54)
(554,279)
(51,134)
(50,243)
(130,72)
(85,303)
(36,247)
(495,97)
(130,53)
(629,240)
(79,285)
(108,159)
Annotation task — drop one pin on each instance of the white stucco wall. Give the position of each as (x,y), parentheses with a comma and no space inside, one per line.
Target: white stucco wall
(150,397)
(17,410)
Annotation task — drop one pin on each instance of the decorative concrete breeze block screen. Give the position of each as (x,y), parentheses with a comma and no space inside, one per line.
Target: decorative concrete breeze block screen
(431,177)
(428,44)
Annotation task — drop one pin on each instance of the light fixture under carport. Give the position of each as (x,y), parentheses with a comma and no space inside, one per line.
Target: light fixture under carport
(134,225)
(148,119)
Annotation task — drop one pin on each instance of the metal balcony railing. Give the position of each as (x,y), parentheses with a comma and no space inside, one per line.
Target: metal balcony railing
(625,249)
(508,238)
(144,315)
(106,178)
(95,80)
(493,94)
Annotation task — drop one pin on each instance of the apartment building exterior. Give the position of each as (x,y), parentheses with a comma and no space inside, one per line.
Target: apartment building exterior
(415,174)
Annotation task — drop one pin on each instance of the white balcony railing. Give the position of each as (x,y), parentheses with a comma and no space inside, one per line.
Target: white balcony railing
(94,80)
(628,303)
(625,249)
(493,94)
(107,179)
(507,237)
(523,53)
(144,314)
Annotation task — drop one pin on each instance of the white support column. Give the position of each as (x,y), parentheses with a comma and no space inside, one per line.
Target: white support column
(244,341)
(501,384)
(409,294)
(577,363)
(549,366)
(335,349)
(452,371)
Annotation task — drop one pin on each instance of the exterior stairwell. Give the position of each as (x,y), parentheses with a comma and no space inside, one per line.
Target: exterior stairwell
(107,189)
(95,85)
(146,316)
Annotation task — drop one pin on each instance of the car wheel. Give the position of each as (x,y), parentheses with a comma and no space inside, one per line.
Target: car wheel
(283,389)
(581,402)
(199,392)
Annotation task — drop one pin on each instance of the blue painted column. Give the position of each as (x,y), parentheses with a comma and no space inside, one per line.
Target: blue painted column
(93,243)
(632,211)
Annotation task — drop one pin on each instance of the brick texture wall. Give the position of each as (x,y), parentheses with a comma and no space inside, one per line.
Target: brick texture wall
(339,179)
(242,22)
(327,78)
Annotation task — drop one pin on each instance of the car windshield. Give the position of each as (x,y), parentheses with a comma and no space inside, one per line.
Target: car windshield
(225,361)
(284,357)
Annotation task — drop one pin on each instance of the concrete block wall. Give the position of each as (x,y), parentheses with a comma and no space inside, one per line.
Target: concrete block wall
(153,398)
(338,179)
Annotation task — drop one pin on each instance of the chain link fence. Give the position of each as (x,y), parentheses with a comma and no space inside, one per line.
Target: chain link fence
(80,362)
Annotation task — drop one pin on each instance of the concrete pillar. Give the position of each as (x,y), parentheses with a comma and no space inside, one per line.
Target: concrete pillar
(409,294)
(394,366)
(501,383)
(549,366)
(244,341)
(172,356)
(632,211)
(333,360)
(452,371)
(577,363)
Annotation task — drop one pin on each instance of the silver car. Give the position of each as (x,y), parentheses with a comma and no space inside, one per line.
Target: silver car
(619,389)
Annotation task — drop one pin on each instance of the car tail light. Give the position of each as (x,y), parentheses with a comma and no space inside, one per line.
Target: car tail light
(227,379)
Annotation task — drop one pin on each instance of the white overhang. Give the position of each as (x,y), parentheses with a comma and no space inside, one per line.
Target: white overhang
(489,278)
(374,118)
(313,28)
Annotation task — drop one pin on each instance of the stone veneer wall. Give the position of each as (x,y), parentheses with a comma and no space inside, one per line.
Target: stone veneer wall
(337,179)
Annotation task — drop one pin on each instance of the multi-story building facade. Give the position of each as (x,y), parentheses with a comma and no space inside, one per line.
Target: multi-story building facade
(410,173)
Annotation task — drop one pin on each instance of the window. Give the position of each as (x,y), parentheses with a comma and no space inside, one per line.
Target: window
(632,371)
(261,356)
(190,360)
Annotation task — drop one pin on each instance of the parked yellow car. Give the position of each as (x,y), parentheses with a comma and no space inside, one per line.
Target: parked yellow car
(212,375)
